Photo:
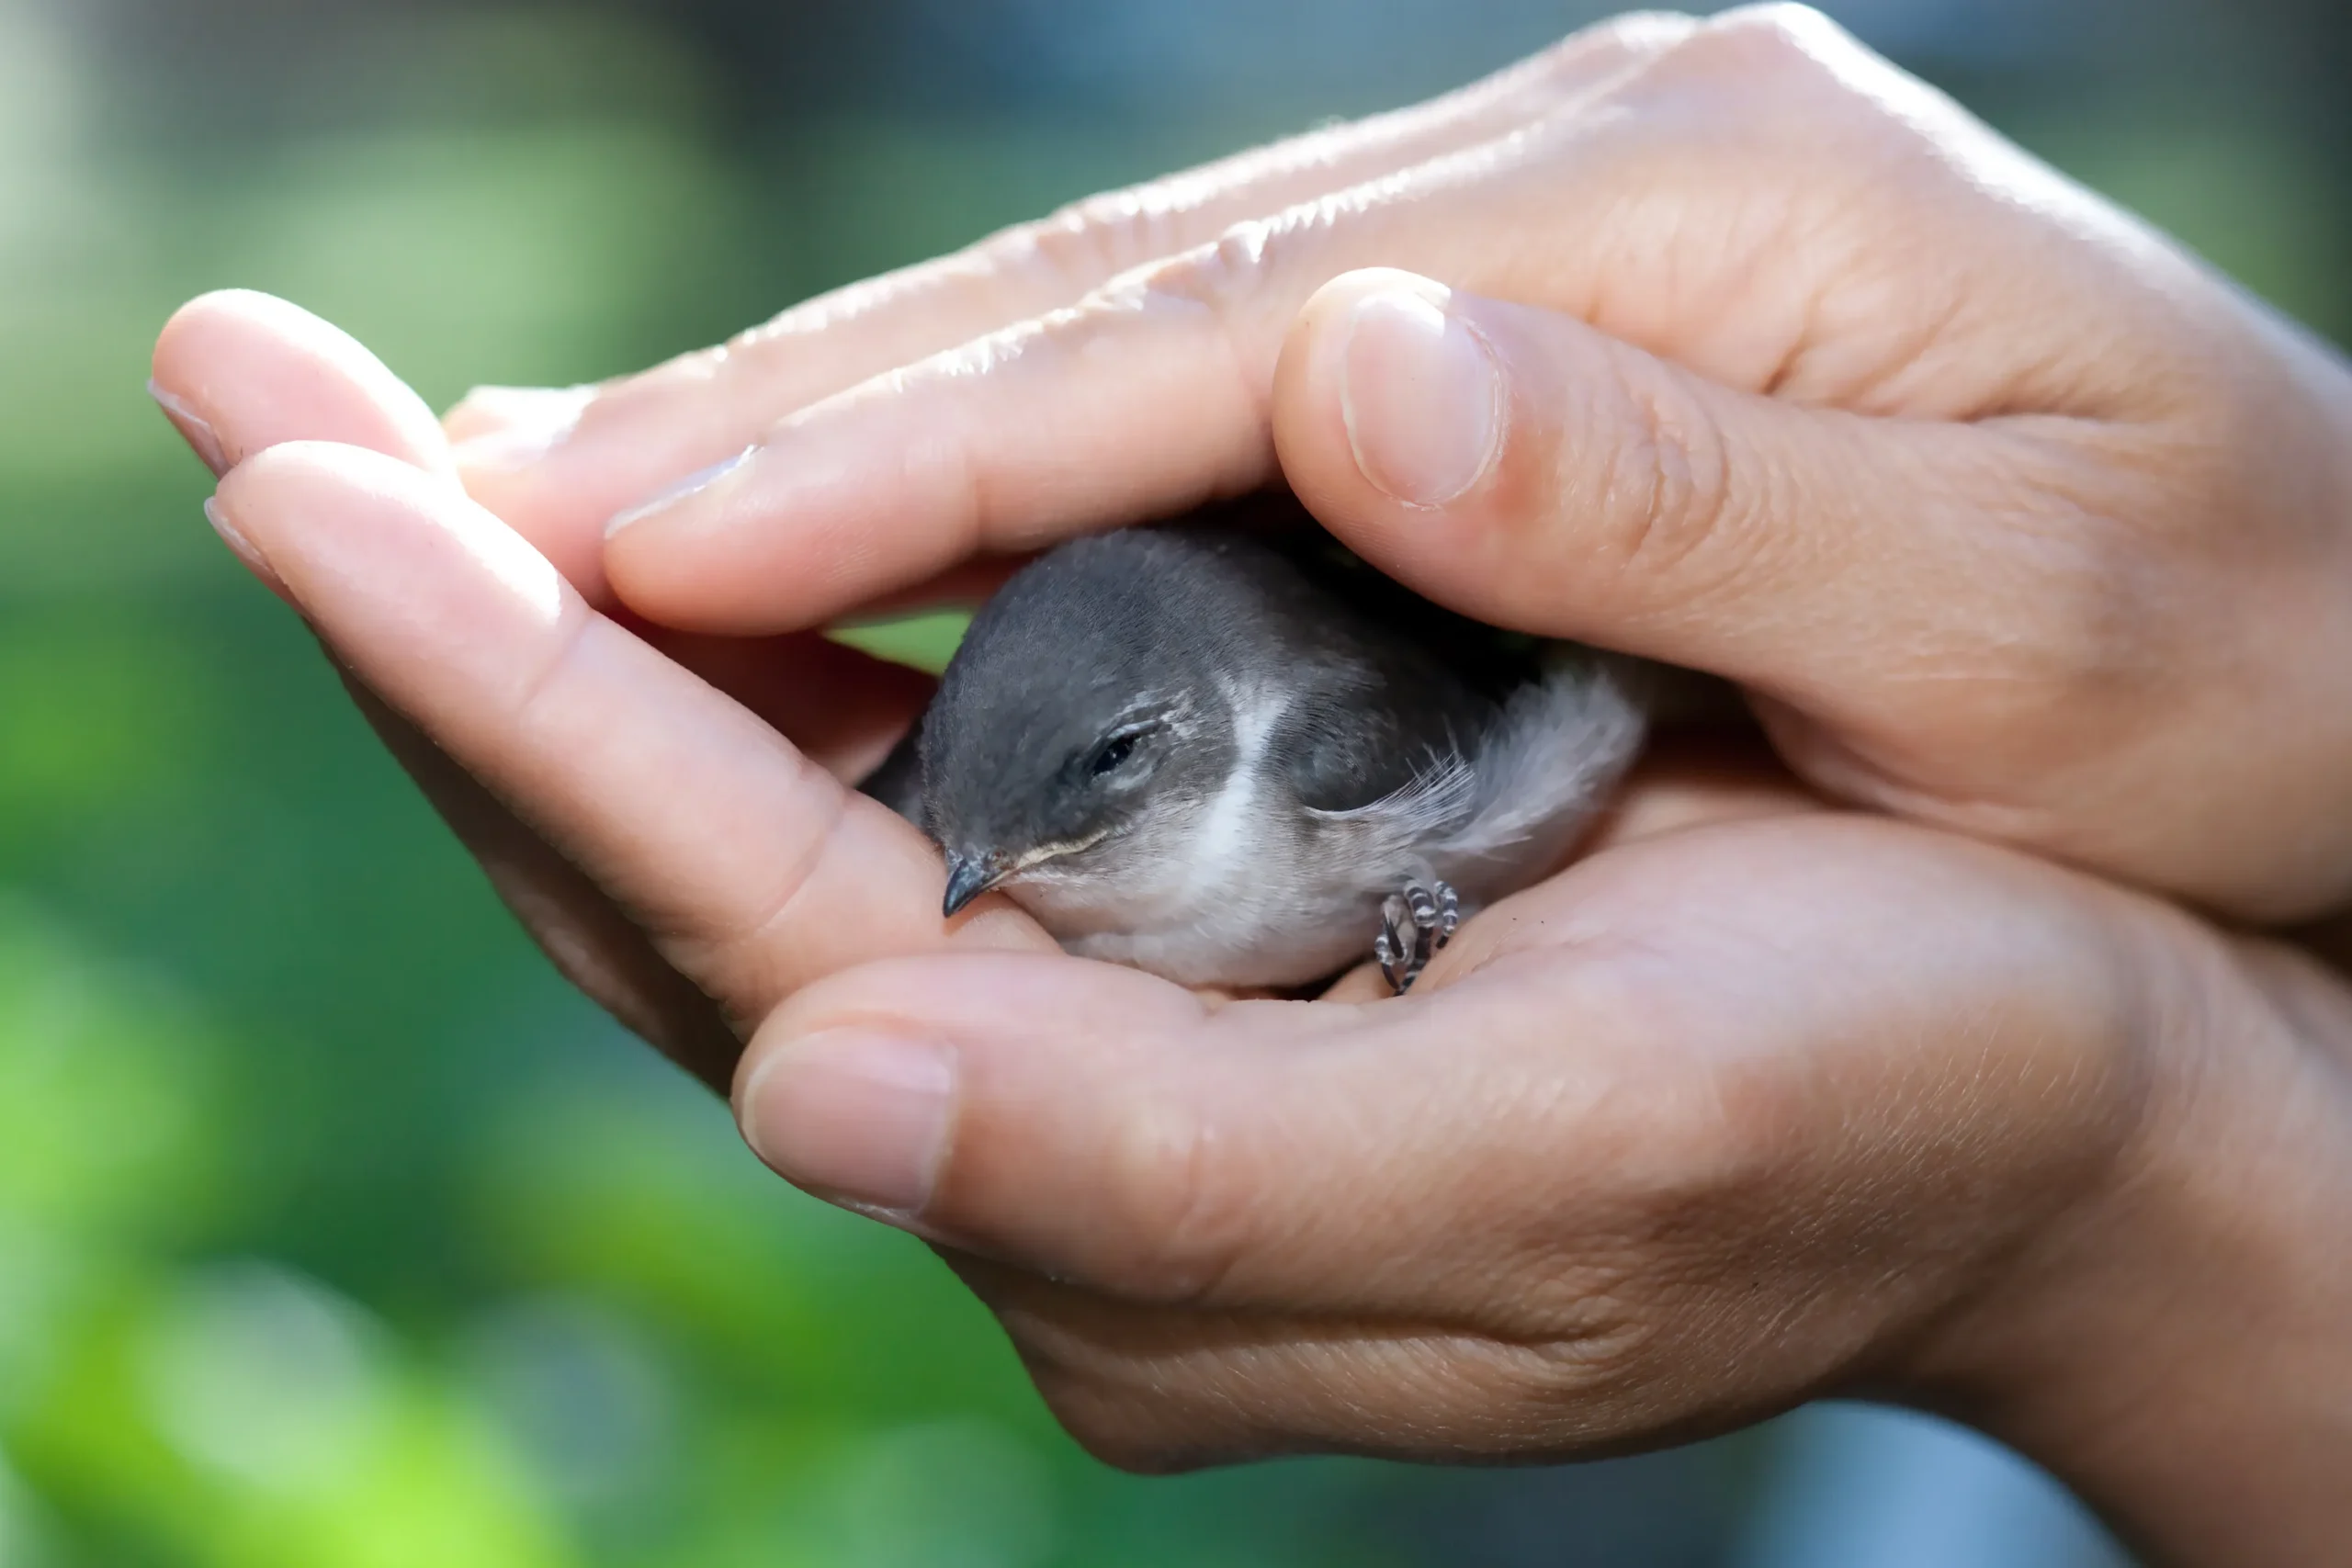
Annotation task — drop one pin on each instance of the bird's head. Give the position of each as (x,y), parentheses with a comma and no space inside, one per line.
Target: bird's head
(1078,732)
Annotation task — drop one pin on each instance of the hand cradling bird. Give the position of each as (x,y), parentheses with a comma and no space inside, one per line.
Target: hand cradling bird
(1232,754)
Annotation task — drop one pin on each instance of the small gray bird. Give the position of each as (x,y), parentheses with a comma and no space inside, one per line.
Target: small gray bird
(1235,755)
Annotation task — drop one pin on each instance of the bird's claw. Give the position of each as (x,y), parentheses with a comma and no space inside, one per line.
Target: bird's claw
(1414,925)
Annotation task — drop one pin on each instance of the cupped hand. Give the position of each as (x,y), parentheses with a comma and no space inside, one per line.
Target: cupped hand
(1747,1107)
(736,865)
(1721,1119)
(1723,343)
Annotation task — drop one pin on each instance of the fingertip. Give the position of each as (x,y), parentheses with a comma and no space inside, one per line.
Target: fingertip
(317,460)
(1475,449)
(289,494)
(947,1094)
(254,371)
(1390,405)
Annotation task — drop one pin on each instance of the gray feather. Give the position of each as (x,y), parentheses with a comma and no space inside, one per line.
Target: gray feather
(1212,751)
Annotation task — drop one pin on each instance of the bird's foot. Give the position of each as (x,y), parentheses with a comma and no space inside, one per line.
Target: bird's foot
(1415,924)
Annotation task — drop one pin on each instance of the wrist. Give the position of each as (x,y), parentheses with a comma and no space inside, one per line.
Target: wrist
(2178,1347)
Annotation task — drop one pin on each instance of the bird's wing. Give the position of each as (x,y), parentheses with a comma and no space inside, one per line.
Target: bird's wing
(1432,803)
(1377,724)
(1561,745)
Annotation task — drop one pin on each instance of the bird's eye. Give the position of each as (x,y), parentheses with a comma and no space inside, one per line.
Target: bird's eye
(1113,756)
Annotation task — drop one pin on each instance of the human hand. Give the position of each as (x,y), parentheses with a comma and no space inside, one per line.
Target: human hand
(242,372)
(2009,517)
(1726,1116)
(1720,1119)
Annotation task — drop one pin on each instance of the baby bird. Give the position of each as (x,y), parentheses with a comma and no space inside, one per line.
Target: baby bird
(1236,756)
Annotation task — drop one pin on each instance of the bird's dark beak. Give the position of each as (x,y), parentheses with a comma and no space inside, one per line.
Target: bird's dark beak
(968,877)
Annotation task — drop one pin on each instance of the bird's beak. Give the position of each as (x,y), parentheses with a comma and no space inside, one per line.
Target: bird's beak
(968,877)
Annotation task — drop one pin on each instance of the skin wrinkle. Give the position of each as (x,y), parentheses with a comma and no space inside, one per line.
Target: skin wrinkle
(750,948)
(1097,1338)
(1193,1222)
(1674,461)
(1878,388)
(1498,98)
(1433,1394)
(557,669)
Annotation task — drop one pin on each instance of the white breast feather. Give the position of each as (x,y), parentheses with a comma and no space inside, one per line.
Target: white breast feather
(1225,832)
(1244,903)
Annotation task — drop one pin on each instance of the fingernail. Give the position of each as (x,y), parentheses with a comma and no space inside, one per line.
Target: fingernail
(1422,397)
(856,1117)
(505,428)
(194,428)
(692,484)
(245,549)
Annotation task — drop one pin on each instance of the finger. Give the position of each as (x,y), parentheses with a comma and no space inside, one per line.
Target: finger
(753,870)
(1106,1128)
(560,463)
(1102,1127)
(1144,398)
(965,586)
(841,709)
(1660,212)
(1522,467)
(1146,401)
(1627,1144)
(240,372)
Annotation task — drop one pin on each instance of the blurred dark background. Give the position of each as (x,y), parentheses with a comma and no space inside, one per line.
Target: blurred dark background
(334,1231)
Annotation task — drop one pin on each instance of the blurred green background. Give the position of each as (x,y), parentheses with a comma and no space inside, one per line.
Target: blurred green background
(333,1230)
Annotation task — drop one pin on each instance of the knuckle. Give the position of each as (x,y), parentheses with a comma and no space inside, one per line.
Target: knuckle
(1606,1362)
(1098,237)
(1233,269)
(1171,1191)
(1789,63)
(1572,63)
(1667,484)
(1234,288)
(1771,39)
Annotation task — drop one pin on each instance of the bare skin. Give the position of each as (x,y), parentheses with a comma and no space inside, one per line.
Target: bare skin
(1999,505)
(1759,1100)
(1756,1103)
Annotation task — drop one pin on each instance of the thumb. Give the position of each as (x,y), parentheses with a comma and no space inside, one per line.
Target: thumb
(1522,468)
(1099,1126)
